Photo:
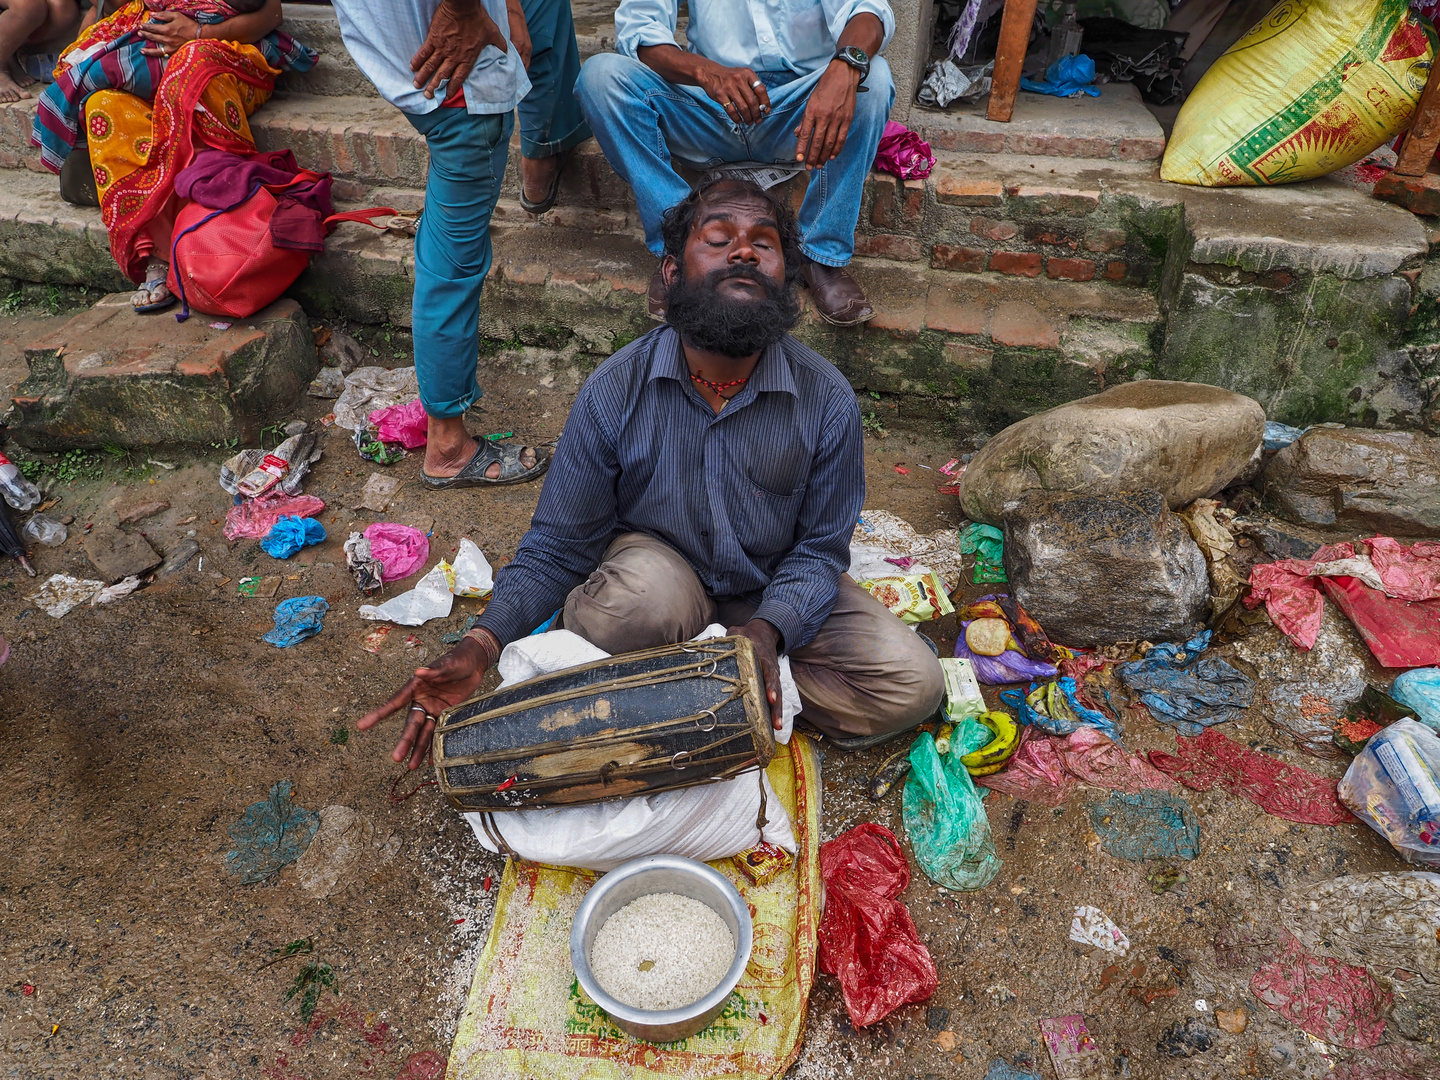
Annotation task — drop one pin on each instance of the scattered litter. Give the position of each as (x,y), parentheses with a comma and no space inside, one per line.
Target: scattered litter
(374,641)
(329,383)
(987,544)
(1208,523)
(10,542)
(378,492)
(471,574)
(370,448)
(1420,690)
(405,424)
(265,587)
(880,535)
(1068,77)
(946,81)
(1091,926)
(296,619)
(963,699)
(255,518)
(1333,1001)
(1393,785)
(1398,633)
(1001,1070)
(271,834)
(903,153)
(762,863)
(867,938)
(496,436)
(429,599)
(1287,791)
(252,473)
(1186,1038)
(1182,686)
(343,842)
(61,594)
(902,470)
(913,598)
(951,467)
(944,817)
(116,591)
(1146,825)
(1055,708)
(160,464)
(1166,878)
(43,529)
(1029,654)
(887,774)
(399,549)
(993,756)
(367,570)
(221,325)
(1073,1051)
(1381,921)
(1278,436)
(289,534)
(1047,769)
(370,388)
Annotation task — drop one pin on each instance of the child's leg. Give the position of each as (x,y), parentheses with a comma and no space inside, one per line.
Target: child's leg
(18,20)
(60,28)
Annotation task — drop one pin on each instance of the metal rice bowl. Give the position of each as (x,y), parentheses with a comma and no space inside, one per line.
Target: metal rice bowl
(641,877)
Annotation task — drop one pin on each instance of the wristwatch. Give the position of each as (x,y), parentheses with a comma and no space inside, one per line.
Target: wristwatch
(858,59)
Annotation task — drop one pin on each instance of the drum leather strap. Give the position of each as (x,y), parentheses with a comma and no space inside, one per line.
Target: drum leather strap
(760,819)
(492,830)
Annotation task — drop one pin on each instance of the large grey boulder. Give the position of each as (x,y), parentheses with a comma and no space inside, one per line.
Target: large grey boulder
(1095,569)
(1381,481)
(1184,440)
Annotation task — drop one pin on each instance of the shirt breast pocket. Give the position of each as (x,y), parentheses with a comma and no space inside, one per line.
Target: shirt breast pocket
(765,521)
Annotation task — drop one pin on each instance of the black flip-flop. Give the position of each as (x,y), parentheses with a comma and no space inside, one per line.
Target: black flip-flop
(538,208)
(487,454)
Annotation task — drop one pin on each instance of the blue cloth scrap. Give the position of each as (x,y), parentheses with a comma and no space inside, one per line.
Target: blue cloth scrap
(296,619)
(289,534)
(272,833)
(1070,76)
(1023,1069)
(1146,825)
(1181,686)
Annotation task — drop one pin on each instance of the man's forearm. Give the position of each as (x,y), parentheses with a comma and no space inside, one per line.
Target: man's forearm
(674,64)
(864,31)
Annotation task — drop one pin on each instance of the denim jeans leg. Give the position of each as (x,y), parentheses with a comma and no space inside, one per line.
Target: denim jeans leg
(642,122)
(452,251)
(550,120)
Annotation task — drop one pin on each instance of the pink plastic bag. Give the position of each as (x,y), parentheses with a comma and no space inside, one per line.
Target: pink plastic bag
(1048,768)
(256,517)
(400,549)
(867,938)
(406,424)
(903,153)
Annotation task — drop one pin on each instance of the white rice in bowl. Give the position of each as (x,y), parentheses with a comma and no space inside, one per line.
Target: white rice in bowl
(662,951)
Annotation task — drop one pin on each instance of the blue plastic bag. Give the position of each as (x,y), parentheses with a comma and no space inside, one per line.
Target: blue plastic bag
(296,619)
(289,534)
(1055,708)
(1181,686)
(1419,689)
(1146,825)
(272,833)
(943,814)
(1278,436)
(1069,76)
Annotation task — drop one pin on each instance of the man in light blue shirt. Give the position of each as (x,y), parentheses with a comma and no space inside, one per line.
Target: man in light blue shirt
(792,82)
(457,70)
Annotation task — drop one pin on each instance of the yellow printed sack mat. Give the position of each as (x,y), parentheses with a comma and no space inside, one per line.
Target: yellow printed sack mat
(1314,86)
(526,1018)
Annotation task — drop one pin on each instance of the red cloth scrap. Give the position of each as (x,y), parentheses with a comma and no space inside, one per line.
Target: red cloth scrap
(1048,768)
(1341,1004)
(867,938)
(1287,791)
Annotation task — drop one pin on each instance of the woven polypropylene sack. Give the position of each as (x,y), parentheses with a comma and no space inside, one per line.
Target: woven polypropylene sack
(1314,86)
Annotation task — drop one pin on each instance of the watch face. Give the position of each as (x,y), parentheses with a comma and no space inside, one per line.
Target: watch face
(857,54)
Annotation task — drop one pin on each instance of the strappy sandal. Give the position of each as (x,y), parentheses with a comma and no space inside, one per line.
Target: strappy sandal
(488,453)
(151,297)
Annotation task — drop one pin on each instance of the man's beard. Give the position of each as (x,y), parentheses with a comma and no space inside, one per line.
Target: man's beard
(706,320)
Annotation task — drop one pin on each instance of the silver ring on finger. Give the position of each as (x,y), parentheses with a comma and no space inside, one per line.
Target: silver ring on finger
(756,85)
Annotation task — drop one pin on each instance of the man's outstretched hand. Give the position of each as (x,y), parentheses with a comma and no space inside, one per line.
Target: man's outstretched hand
(452,679)
(766,640)
(459,30)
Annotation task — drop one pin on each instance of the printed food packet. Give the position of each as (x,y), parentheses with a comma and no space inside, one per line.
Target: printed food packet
(915,598)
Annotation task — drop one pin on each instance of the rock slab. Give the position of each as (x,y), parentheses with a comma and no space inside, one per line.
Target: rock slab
(1098,569)
(117,554)
(1184,440)
(1381,481)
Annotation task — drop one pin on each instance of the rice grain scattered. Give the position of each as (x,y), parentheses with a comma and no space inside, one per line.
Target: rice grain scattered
(662,951)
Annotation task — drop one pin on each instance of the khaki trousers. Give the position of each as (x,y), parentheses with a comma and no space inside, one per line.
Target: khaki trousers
(864,673)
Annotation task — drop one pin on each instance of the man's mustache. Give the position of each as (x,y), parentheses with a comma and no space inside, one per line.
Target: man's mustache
(741,271)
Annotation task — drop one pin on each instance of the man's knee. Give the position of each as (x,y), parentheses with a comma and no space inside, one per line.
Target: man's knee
(604,79)
(643,594)
(919,689)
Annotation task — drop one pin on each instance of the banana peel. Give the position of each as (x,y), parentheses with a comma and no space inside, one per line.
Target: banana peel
(993,755)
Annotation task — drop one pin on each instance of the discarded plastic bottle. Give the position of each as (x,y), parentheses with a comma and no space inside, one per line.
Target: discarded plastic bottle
(18,492)
(43,529)
(1414,779)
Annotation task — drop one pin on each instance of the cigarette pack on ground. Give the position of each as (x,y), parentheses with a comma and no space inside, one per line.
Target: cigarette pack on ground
(962,690)
(915,598)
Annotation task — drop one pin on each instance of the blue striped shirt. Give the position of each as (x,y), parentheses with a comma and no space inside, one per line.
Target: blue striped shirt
(760,498)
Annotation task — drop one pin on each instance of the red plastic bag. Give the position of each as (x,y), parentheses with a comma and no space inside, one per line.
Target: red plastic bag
(1287,791)
(256,517)
(1047,768)
(867,938)
(1328,999)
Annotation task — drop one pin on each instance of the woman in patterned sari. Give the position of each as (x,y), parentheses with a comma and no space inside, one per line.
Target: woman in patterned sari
(151,84)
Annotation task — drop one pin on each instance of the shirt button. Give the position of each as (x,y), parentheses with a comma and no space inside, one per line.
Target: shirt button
(764,37)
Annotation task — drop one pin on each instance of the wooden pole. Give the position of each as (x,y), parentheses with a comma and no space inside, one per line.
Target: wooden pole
(1010,58)
(1411,184)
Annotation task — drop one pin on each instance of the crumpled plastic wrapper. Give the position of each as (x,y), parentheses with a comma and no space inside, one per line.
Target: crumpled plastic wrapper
(904,153)
(330,383)
(296,619)
(884,542)
(271,834)
(371,388)
(400,549)
(363,566)
(255,518)
(377,492)
(301,451)
(946,82)
(1091,926)
(62,594)
(1331,1000)
(434,594)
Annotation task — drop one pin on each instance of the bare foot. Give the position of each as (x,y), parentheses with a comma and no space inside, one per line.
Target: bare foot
(10,90)
(20,75)
(537,175)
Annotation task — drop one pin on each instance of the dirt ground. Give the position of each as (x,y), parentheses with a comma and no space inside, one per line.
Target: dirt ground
(138,732)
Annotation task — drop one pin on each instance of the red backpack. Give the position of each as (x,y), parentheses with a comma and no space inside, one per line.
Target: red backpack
(228,264)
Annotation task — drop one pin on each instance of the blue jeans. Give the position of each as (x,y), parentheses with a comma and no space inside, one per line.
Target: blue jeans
(452,251)
(642,122)
(550,120)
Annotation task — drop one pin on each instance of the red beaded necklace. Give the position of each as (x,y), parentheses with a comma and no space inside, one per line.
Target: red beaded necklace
(718,386)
